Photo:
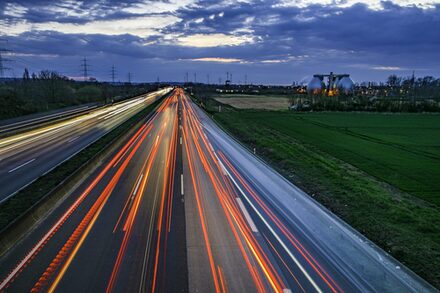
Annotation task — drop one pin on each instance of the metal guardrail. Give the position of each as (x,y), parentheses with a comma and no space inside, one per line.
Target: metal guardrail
(47,118)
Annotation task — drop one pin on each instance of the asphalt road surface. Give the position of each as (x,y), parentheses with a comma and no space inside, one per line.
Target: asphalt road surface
(182,207)
(26,156)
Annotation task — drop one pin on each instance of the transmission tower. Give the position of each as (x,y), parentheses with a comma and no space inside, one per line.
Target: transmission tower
(113,73)
(85,68)
(3,68)
(195,77)
(413,88)
(129,77)
(207,78)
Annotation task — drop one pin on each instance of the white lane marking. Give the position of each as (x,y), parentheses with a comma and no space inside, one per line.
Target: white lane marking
(210,145)
(221,165)
(380,257)
(180,140)
(22,165)
(73,139)
(181,184)
(137,184)
(246,215)
(276,236)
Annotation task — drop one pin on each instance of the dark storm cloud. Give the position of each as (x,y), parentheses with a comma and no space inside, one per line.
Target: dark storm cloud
(54,43)
(304,40)
(76,12)
(392,30)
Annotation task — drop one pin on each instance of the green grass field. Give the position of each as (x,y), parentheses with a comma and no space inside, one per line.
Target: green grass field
(401,149)
(352,164)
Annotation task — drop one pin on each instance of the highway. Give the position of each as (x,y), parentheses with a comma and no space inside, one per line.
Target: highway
(180,206)
(26,156)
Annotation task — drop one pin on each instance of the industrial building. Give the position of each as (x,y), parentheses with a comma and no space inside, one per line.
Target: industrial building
(336,84)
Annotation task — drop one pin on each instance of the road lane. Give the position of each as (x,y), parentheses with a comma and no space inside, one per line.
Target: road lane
(50,145)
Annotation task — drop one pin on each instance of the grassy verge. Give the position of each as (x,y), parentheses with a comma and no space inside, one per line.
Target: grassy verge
(402,224)
(19,204)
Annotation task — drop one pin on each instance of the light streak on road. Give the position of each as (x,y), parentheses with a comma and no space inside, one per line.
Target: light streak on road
(128,226)
(203,223)
(87,223)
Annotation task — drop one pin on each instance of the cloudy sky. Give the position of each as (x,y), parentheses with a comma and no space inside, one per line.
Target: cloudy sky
(269,41)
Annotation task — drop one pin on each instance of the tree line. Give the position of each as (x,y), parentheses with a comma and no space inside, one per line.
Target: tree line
(47,90)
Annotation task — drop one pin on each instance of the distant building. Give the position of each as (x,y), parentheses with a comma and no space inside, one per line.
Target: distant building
(336,84)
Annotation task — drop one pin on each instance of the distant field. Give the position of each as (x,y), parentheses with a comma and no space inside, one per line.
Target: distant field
(343,160)
(255,102)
